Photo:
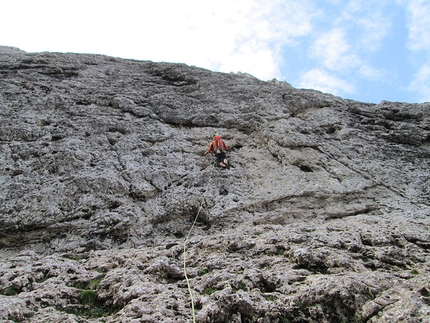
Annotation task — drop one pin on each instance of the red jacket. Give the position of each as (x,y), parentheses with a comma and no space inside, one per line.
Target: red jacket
(212,145)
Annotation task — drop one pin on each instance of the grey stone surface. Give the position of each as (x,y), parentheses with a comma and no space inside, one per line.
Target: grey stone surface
(323,215)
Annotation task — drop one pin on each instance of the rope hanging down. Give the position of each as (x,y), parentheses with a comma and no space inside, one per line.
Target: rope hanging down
(185,245)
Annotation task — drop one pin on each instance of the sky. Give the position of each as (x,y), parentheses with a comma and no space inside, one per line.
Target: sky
(368,51)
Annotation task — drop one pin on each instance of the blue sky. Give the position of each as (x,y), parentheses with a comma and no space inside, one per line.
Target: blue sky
(368,51)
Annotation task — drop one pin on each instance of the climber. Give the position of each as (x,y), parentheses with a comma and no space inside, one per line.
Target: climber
(218,146)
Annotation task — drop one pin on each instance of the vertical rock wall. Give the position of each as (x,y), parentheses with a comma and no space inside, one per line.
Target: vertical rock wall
(323,215)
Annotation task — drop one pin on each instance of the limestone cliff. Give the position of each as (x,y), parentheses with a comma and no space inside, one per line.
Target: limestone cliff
(323,215)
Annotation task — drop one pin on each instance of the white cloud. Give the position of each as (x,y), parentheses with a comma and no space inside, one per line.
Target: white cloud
(372,73)
(332,39)
(343,47)
(419,43)
(333,50)
(419,25)
(367,24)
(375,28)
(249,38)
(321,80)
(421,83)
(224,35)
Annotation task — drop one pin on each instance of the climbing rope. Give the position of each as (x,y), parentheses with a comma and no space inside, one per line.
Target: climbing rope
(186,241)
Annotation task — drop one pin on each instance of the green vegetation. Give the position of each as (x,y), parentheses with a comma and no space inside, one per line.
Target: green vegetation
(366,259)
(43,278)
(76,257)
(94,283)
(9,291)
(270,298)
(240,285)
(90,312)
(201,272)
(88,297)
(81,285)
(280,251)
(90,306)
(285,320)
(209,290)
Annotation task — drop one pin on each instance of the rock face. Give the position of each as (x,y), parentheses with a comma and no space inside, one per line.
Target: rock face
(323,215)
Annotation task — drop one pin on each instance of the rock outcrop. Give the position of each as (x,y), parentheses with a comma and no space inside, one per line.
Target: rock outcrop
(323,215)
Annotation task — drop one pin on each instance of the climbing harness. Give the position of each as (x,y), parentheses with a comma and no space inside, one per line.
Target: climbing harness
(186,241)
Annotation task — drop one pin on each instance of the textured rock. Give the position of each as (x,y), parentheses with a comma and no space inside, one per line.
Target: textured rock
(322,217)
